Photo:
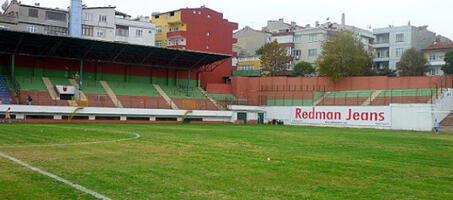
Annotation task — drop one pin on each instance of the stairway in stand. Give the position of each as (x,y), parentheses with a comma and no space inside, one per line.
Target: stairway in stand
(447,124)
(5,95)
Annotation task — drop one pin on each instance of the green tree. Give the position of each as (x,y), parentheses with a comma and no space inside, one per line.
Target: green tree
(448,67)
(274,58)
(343,55)
(386,71)
(303,69)
(412,63)
(260,50)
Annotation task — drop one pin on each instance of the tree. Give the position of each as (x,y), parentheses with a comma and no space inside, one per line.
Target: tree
(274,58)
(5,5)
(386,71)
(448,67)
(343,55)
(412,63)
(303,69)
(260,50)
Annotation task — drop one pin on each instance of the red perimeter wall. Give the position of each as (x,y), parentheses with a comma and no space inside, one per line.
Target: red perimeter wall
(286,87)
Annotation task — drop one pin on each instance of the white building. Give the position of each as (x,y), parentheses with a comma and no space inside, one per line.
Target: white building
(107,24)
(391,42)
(308,42)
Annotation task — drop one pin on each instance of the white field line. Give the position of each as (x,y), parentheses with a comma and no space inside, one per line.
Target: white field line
(76,186)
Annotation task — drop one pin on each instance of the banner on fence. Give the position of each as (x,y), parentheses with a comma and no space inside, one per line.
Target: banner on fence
(338,115)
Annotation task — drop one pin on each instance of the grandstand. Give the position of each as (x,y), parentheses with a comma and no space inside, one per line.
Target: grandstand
(108,74)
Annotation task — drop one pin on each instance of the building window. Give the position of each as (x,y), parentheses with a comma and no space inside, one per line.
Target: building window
(400,37)
(435,57)
(156,17)
(297,38)
(207,46)
(172,14)
(296,54)
(33,12)
(55,16)
(55,30)
(159,30)
(209,16)
(32,29)
(103,18)
(199,12)
(399,52)
(158,43)
(139,33)
(194,12)
(382,39)
(208,34)
(122,31)
(176,28)
(312,52)
(101,33)
(382,53)
(88,17)
(246,68)
(313,37)
(87,30)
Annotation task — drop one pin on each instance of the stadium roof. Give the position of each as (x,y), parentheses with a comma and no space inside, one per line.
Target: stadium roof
(30,44)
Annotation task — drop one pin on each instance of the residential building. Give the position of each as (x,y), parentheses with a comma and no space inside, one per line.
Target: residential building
(108,24)
(200,29)
(393,41)
(308,42)
(36,19)
(248,66)
(435,54)
(278,26)
(249,40)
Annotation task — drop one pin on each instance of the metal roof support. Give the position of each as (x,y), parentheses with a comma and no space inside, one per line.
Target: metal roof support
(81,75)
(13,63)
(188,82)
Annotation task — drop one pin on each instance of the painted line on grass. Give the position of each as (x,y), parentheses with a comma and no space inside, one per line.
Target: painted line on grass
(76,186)
(136,136)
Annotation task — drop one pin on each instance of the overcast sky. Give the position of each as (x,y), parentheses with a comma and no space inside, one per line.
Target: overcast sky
(437,14)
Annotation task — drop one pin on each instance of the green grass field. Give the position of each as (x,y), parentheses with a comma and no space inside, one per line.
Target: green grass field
(224,162)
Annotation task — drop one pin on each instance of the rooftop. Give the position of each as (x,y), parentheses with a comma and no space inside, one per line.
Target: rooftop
(440,45)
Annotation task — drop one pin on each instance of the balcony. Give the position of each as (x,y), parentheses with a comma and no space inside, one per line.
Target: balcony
(252,73)
(176,34)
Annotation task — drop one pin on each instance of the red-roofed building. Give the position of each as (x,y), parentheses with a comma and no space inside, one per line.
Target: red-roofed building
(435,54)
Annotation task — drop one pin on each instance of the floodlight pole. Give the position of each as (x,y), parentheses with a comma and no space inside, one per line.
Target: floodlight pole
(188,82)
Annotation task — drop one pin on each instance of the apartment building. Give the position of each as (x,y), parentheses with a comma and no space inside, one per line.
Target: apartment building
(249,40)
(391,42)
(308,42)
(435,54)
(200,29)
(108,24)
(36,19)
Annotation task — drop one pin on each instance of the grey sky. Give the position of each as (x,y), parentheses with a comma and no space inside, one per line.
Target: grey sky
(436,14)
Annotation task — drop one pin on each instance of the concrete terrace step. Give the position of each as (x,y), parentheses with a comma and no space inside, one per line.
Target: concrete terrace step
(74,83)
(321,99)
(166,97)
(111,94)
(211,99)
(372,98)
(50,88)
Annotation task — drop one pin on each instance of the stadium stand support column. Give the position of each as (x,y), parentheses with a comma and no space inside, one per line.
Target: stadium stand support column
(111,94)
(321,99)
(188,82)
(50,88)
(211,99)
(166,97)
(13,63)
(81,75)
(82,94)
(370,99)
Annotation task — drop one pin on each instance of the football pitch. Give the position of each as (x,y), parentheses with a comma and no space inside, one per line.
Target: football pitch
(175,161)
